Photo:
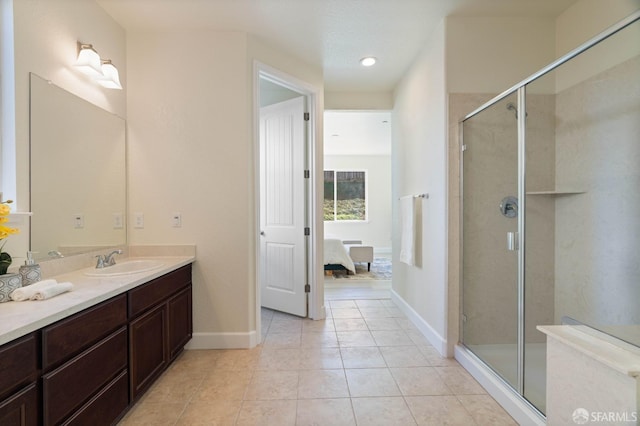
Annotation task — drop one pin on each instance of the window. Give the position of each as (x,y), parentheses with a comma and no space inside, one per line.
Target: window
(345,195)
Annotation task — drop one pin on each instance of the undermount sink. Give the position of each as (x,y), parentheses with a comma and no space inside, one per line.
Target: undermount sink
(125,268)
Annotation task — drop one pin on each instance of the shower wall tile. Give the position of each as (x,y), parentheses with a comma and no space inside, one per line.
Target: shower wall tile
(598,232)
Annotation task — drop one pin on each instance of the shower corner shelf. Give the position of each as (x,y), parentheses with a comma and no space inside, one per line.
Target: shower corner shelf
(556,192)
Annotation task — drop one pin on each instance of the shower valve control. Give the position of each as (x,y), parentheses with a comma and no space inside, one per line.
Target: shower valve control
(509,206)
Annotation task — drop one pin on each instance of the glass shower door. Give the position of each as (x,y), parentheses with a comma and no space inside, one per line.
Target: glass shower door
(490,237)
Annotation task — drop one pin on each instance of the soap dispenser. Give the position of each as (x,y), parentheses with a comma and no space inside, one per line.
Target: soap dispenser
(30,271)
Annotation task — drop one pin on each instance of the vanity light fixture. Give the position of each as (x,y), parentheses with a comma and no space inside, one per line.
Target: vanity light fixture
(88,60)
(110,78)
(368,61)
(101,70)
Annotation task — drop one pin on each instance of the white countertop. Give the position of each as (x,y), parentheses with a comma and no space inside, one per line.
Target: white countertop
(20,318)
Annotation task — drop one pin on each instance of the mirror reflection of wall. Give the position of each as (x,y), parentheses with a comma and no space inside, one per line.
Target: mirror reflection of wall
(78,174)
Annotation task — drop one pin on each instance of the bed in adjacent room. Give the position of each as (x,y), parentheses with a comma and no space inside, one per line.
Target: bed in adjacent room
(336,256)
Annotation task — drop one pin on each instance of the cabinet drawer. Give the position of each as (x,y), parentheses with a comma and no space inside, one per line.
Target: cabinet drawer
(21,409)
(69,386)
(70,336)
(150,294)
(106,406)
(18,364)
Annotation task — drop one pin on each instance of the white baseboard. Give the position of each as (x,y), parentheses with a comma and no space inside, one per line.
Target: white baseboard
(520,410)
(436,340)
(223,341)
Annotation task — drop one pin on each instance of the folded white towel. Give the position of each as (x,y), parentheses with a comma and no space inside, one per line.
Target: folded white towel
(51,291)
(26,293)
(408,234)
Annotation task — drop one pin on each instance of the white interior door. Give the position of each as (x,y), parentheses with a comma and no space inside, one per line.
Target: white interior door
(282,207)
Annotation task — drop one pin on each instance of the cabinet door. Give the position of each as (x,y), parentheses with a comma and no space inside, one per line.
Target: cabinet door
(21,409)
(147,349)
(180,323)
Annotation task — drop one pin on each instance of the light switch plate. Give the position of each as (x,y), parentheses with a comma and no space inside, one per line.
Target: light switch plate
(118,221)
(138,220)
(78,220)
(176,219)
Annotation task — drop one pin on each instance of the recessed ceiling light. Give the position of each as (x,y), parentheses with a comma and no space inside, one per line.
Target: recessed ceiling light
(368,61)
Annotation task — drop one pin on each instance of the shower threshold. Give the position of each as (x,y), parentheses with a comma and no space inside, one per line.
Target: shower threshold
(481,361)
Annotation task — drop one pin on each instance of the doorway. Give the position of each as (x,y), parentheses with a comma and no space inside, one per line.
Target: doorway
(285,146)
(357,203)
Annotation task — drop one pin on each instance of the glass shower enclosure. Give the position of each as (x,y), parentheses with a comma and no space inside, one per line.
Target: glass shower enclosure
(550,209)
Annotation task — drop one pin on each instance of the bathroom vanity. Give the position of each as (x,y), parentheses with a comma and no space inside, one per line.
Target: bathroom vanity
(86,356)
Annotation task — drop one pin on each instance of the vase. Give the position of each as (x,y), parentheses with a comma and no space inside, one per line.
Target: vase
(5,262)
(8,283)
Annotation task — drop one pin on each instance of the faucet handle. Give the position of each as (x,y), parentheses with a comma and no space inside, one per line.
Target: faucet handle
(100,263)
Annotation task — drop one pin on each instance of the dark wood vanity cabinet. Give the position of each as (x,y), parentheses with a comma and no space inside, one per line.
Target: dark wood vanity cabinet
(160,325)
(81,355)
(89,368)
(19,371)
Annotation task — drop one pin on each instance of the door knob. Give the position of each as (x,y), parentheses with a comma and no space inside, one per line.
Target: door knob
(262,233)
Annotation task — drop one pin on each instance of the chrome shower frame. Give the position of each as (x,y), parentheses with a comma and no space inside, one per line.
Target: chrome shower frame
(521,114)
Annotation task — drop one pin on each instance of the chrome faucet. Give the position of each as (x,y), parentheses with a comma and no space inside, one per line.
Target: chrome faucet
(105,260)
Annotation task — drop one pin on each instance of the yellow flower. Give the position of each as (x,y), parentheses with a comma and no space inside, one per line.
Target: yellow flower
(5,231)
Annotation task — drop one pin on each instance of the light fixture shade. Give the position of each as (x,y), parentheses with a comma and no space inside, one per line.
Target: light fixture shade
(368,61)
(88,61)
(110,77)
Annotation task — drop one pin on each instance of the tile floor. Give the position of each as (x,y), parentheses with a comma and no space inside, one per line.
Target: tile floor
(366,364)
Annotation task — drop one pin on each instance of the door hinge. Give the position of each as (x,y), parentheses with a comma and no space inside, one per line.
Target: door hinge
(307,231)
(464,148)
(307,174)
(306,116)
(307,288)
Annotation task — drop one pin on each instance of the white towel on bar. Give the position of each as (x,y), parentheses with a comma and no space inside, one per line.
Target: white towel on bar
(27,292)
(408,235)
(51,291)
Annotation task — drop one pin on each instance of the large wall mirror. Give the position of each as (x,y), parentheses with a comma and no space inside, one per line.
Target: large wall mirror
(78,173)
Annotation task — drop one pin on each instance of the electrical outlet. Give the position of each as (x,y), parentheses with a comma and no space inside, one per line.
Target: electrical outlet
(138,220)
(78,220)
(118,222)
(176,220)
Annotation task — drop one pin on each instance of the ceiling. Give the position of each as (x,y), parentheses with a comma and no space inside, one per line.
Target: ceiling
(332,34)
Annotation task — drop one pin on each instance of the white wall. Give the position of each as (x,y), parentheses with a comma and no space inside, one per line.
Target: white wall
(189,152)
(359,100)
(45,42)
(419,165)
(192,150)
(376,231)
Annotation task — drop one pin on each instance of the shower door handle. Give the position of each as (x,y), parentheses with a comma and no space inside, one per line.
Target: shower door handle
(513,243)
